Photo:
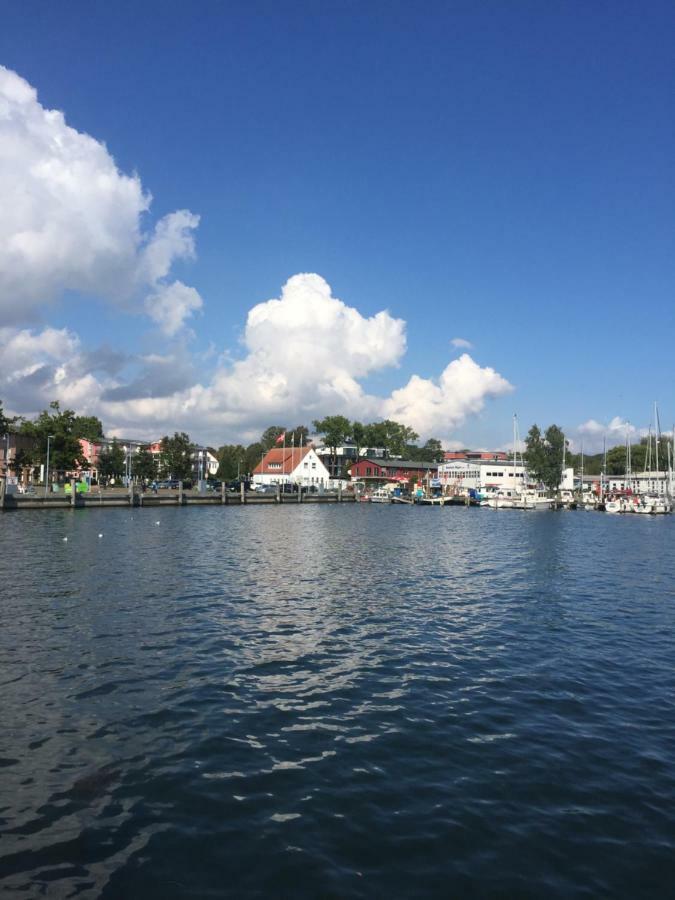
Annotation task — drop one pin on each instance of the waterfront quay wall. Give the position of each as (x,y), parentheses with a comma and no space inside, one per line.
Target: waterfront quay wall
(134,498)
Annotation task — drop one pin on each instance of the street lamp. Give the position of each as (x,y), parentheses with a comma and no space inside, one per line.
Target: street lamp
(126,464)
(49,437)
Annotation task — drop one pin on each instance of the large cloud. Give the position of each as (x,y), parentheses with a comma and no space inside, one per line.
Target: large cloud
(71,221)
(438,406)
(304,356)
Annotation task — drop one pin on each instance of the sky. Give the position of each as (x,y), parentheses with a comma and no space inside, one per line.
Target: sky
(219,216)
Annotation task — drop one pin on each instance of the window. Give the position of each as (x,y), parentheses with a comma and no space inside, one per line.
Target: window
(368,470)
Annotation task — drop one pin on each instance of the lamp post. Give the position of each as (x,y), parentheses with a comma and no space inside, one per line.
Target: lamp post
(126,464)
(201,470)
(49,437)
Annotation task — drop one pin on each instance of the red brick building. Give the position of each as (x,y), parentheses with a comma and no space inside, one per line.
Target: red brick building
(380,471)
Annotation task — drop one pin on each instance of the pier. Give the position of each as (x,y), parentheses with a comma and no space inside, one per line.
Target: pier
(179,497)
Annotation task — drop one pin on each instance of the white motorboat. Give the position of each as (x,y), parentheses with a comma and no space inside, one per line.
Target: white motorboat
(531,499)
(380,495)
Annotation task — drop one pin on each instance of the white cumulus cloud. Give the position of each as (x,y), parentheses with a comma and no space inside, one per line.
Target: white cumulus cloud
(438,406)
(305,354)
(70,220)
(171,304)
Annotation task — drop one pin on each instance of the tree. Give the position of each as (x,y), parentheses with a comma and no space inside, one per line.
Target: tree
(254,453)
(359,432)
(176,460)
(544,455)
(57,426)
(335,431)
(145,465)
(432,451)
(5,422)
(22,461)
(231,462)
(269,436)
(88,427)
(297,437)
(111,462)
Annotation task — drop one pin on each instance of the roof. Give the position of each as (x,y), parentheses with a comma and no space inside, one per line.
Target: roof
(399,463)
(288,458)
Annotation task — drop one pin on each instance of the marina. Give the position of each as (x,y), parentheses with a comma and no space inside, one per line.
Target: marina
(478,705)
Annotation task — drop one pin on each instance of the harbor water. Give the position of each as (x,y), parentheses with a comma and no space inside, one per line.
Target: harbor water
(336,701)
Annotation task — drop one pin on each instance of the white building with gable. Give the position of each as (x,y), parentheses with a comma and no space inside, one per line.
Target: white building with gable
(291,465)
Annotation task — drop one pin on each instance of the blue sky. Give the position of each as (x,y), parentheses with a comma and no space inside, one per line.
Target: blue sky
(500,172)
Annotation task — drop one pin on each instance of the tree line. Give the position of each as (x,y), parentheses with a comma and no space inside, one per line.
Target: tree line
(62,430)
(237,460)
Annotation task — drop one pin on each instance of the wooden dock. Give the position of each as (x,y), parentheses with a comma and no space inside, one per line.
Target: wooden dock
(180,497)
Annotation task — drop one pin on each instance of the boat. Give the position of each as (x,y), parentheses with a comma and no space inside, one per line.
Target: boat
(502,499)
(531,499)
(430,500)
(380,495)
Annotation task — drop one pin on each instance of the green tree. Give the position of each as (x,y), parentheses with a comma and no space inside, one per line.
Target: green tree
(5,422)
(544,455)
(254,453)
(394,438)
(269,436)
(297,437)
(22,461)
(231,462)
(432,451)
(176,460)
(65,450)
(359,433)
(88,427)
(145,464)
(335,431)
(111,462)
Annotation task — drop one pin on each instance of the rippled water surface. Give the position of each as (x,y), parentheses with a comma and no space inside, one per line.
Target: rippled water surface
(336,701)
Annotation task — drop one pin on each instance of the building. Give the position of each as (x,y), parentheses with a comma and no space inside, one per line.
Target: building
(338,465)
(381,471)
(483,475)
(14,444)
(204,462)
(461,475)
(475,455)
(660,483)
(292,465)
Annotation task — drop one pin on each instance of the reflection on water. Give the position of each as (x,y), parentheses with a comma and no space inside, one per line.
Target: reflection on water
(336,701)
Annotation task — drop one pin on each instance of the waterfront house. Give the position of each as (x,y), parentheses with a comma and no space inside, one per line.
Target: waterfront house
(291,465)
(376,471)
(346,455)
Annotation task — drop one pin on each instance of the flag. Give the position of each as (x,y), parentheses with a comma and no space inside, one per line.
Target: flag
(281,438)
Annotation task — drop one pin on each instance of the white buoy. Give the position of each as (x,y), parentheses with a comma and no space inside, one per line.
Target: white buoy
(65,539)
(100,535)
(157,522)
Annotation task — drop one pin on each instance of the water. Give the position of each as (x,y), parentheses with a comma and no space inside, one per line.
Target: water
(336,701)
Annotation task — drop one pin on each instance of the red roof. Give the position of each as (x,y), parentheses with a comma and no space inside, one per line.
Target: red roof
(285,460)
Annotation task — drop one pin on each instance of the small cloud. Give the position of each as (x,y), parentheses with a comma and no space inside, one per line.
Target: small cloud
(461,343)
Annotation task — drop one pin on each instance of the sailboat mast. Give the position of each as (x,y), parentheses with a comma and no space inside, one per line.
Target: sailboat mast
(656,437)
